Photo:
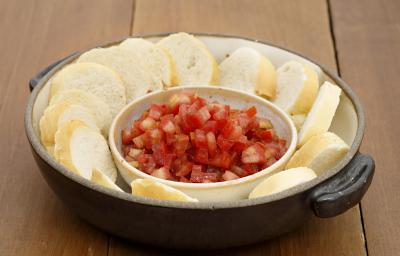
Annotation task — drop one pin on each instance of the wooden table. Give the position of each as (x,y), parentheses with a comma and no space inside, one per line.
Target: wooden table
(359,39)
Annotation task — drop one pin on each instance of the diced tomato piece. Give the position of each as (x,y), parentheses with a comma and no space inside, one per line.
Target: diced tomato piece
(240,144)
(198,176)
(168,160)
(254,154)
(219,111)
(250,168)
(169,138)
(146,163)
(139,141)
(126,136)
(155,135)
(282,143)
(252,111)
(224,144)
(201,155)
(162,173)
(200,139)
(238,171)
(266,135)
(147,124)
(177,100)
(182,168)
(228,175)
(181,144)
(156,111)
(184,179)
(198,118)
(211,144)
(222,159)
(134,153)
(160,151)
(167,124)
(210,126)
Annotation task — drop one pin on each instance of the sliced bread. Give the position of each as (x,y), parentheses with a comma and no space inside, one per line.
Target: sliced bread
(82,149)
(157,61)
(194,63)
(93,78)
(319,153)
(248,70)
(136,78)
(100,178)
(96,106)
(297,87)
(56,115)
(298,120)
(321,114)
(157,190)
(282,181)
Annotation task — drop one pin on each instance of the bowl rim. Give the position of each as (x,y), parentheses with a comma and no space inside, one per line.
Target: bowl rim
(45,156)
(198,186)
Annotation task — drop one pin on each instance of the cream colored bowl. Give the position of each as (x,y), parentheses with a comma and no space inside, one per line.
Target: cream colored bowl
(206,192)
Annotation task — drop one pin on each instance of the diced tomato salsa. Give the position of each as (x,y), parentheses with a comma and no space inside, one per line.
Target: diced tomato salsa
(191,140)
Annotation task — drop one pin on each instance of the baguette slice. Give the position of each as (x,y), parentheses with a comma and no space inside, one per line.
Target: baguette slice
(194,63)
(82,149)
(248,70)
(319,153)
(157,61)
(297,87)
(56,115)
(282,181)
(136,78)
(321,114)
(157,190)
(100,178)
(93,78)
(96,106)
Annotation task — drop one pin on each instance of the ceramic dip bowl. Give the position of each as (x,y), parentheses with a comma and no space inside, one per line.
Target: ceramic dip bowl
(206,192)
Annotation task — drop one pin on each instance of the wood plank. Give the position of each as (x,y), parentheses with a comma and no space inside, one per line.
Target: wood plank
(299,25)
(34,34)
(368,43)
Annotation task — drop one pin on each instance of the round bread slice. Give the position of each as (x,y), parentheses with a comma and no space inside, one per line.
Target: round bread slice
(282,181)
(156,60)
(157,190)
(56,115)
(96,106)
(297,87)
(136,78)
(93,78)
(82,149)
(321,114)
(194,63)
(320,153)
(248,70)
(100,178)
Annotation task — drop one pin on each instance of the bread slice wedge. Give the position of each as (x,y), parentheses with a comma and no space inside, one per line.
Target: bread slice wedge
(194,63)
(82,149)
(56,115)
(248,70)
(93,78)
(100,178)
(136,78)
(96,106)
(297,87)
(282,181)
(157,61)
(319,153)
(321,114)
(157,190)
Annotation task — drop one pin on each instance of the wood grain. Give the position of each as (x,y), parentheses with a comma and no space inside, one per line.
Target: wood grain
(34,34)
(368,44)
(299,25)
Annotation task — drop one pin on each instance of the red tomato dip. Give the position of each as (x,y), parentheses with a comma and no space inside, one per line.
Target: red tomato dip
(191,140)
